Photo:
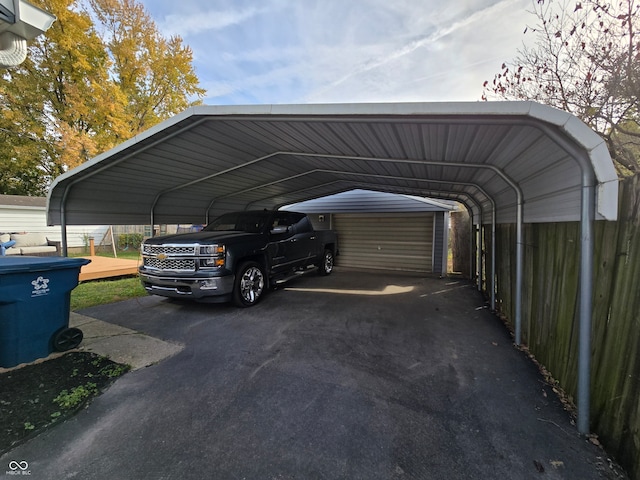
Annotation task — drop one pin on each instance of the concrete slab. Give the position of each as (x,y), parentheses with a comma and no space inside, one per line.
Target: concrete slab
(121,344)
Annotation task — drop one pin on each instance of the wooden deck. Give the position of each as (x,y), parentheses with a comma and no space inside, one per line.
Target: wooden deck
(104,267)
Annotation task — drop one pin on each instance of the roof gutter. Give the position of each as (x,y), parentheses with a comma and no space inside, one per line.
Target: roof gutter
(26,22)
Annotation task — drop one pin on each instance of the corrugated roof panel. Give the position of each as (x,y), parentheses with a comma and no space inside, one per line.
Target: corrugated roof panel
(369,138)
(279,136)
(460,140)
(302,131)
(432,139)
(239,146)
(566,202)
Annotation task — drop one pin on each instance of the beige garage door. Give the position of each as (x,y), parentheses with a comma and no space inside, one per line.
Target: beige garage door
(395,241)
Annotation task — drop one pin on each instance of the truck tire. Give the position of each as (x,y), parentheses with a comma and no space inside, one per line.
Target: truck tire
(326,263)
(250,284)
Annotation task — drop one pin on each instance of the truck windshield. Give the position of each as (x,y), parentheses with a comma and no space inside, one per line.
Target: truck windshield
(250,222)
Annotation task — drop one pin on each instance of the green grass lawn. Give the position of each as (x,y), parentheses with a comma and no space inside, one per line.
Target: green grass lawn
(99,292)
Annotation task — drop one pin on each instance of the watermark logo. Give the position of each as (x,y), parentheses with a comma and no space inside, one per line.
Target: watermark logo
(18,468)
(40,287)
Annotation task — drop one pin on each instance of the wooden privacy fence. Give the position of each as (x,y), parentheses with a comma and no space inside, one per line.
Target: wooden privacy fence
(550,313)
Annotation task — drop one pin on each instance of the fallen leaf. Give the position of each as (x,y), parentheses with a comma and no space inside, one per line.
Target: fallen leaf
(556,463)
(539,466)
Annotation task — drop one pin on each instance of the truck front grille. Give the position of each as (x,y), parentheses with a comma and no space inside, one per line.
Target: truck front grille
(170,249)
(176,264)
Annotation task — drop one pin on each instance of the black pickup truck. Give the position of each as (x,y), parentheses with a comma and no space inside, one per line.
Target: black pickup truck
(236,257)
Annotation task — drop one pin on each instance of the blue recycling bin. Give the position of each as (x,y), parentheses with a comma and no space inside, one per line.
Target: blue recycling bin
(34,307)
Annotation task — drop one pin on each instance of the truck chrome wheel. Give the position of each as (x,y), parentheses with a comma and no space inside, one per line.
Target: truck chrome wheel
(327,263)
(249,285)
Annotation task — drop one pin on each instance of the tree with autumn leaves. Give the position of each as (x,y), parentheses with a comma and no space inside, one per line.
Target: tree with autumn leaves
(585,59)
(101,74)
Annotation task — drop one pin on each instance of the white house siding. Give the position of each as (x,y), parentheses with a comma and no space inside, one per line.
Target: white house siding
(33,219)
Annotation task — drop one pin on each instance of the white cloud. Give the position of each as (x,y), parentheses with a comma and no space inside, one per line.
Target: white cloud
(426,54)
(188,24)
(280,51)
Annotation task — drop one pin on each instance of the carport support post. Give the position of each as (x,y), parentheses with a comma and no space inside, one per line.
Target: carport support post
(586,290)
(63,229)
(63,224)
(493,259)
(519,262)
(479,254)
(472,233)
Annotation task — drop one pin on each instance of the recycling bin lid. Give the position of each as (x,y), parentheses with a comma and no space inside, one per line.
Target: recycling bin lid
(17,264)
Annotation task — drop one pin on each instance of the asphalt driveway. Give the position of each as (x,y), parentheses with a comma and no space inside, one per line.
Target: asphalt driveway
(351,376)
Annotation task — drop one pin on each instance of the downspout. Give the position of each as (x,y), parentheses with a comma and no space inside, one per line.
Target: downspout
(13,46)
(13,50)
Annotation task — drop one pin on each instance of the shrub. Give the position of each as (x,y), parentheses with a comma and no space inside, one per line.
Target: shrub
(130,240)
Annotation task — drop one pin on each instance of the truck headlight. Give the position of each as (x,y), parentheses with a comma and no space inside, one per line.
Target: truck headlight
(212,256)
(212,250)
(212,262)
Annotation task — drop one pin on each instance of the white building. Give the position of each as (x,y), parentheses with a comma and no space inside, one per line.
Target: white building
(20,214)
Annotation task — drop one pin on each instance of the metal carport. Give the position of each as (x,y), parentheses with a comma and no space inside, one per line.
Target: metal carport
(508,162)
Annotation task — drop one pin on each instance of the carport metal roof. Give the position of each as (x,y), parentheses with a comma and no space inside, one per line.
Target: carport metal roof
(508,162)
(212,159)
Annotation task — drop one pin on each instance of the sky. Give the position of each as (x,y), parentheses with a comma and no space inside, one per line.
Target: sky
(344,51)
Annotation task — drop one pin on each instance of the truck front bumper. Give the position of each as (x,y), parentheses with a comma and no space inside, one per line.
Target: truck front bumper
(209,289)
